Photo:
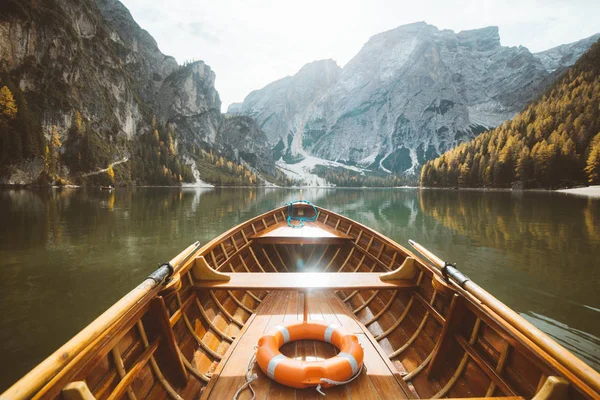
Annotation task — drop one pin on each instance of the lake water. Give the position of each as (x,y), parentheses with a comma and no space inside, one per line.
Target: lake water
(68,254)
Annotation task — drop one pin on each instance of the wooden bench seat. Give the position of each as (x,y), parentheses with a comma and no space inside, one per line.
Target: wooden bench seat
(379,379)
(304,280)
(310,233)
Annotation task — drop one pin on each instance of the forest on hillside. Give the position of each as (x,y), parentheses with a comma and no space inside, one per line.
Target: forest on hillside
(82,155)
(75,156)
(343,177)
(554,142)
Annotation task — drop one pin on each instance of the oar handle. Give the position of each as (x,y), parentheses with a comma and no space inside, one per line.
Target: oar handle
(449,271)
(184,255)
(52,367)
(438,262)
(570,364)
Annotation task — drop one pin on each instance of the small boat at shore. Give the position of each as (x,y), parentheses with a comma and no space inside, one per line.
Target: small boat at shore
(108,188)
(301,302)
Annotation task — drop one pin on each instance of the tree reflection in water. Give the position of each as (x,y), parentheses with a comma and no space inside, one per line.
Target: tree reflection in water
(68,254)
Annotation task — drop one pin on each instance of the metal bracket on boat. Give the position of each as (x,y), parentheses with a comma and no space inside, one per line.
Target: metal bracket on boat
(451,272)
(162,273)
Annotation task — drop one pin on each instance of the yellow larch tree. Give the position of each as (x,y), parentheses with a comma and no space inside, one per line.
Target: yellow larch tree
(8,106)
(111,174)
(592,168)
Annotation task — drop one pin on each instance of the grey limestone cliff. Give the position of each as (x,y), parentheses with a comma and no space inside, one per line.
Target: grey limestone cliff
(242,138)
(565,55)
(283,107)
(91,57)
(410,94)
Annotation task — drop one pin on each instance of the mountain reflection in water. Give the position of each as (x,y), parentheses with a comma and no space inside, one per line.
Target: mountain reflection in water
(66,255)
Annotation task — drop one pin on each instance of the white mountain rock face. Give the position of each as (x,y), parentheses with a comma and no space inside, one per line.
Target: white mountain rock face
(282,107)
(565,55)
(410,94)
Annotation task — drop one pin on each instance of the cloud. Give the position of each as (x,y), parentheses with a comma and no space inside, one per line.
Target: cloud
(250,43)
(198,29)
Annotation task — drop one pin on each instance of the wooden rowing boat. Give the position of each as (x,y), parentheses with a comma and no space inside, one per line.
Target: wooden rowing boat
(190,329)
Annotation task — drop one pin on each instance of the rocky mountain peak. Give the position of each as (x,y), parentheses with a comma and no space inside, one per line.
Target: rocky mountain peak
(120,19)
(188,100)
(188,91)
(408,95)
(328,66)
(289,100)
(149,64)
(484,39)
(567,54)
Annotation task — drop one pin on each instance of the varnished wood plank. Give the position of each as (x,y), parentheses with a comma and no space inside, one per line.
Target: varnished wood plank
(305,280)
(341,312)
(332,259)
(80,391)
(233,255)
(224,310)
(211,323)
(500,366)
(385,384)
(232,375)
(256,260)
(404,390)
(485,366)
(116,354)
(486,398)
(162,382)
(134,371)
(371,257)
(310,233)
(348,257)
(435,313)
(379,380)
(383,310)
(269,260)
(226,357)
(398,321)
(158,325)
(265,386)
(455,317)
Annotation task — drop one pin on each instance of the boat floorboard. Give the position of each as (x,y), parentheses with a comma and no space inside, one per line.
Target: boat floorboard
(378,380)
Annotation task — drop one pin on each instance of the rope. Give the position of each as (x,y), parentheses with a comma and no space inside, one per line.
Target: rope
(337,383)
(250,377)
(302,220)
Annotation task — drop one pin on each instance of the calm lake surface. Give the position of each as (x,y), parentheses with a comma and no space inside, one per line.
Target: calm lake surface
(68,254)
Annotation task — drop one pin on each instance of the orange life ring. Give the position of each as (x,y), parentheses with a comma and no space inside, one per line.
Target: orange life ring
(302,374)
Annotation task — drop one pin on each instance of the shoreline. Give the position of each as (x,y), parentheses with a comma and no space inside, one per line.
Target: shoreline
(586,191)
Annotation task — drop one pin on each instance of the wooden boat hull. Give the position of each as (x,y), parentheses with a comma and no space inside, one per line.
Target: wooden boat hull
(190,333)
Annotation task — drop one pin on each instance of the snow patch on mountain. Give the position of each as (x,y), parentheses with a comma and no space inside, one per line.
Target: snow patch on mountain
(410,94)
(303,170)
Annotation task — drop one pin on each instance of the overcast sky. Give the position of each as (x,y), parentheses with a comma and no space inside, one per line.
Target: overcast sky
(250,43)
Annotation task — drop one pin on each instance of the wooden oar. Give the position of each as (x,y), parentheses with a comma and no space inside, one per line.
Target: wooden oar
(576,368)
(51,366)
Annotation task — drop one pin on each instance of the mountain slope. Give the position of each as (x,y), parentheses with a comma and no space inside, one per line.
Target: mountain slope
(282,107)
(554,142)
(567,54)
(94,87)
(410,94)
